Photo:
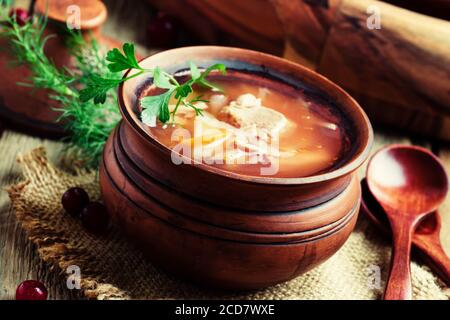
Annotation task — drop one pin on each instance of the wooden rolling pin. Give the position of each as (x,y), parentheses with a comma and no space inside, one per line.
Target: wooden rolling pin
(399,73)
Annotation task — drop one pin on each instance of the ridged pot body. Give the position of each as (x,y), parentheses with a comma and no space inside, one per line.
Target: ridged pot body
(216,246)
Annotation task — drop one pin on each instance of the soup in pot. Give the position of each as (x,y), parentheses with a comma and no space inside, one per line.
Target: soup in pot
(255,126)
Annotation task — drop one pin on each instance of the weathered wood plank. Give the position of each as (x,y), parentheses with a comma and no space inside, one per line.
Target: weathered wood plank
(18,259)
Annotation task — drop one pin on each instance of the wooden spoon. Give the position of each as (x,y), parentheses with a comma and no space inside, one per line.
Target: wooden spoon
(409,182)
(425,239)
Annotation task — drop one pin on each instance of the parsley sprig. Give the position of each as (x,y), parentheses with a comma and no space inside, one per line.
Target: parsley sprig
(157,106)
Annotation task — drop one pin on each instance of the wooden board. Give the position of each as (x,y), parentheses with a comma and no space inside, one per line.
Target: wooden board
(400,72)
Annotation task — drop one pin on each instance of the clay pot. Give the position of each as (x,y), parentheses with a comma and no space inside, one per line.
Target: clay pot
(218,256)
(215,248)
(30,109)
(261,193)
(215,256)
(221,239)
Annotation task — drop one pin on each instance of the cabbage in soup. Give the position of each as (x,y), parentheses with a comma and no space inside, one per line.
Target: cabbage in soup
(255,127)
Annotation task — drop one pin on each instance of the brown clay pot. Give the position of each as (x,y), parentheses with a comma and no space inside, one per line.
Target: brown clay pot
(29,109)
(220,256)
(260,193)
(291,225)
(185,211)
(175,214)
(213,256)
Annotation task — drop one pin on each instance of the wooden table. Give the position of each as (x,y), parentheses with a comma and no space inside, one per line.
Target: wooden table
(18,258)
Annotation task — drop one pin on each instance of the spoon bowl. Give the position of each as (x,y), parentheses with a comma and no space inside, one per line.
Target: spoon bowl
(401,175)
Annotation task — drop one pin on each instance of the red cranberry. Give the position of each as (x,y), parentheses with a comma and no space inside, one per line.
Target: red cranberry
(74,200)
(95,218)
(21,16)
(162,31)
(31,290)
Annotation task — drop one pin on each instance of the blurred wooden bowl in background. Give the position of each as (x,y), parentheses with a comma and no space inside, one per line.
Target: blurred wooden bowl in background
(251,23)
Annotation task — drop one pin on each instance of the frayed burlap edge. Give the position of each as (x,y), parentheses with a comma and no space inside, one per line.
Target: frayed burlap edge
(52,245)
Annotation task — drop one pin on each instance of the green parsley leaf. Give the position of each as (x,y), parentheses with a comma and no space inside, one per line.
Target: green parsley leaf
(198,99)
(97,87)
(156,106)
(202,80)
(121,62)
(195,73)
(164,113)
(150,113)
(218,66)
(198,111)
(161,79)
(183,90)
(153,106)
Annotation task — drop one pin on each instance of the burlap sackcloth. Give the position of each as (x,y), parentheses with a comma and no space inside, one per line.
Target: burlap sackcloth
(113,269)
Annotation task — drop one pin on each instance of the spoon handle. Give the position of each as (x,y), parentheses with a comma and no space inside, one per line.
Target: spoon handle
(399,282)
(430,246)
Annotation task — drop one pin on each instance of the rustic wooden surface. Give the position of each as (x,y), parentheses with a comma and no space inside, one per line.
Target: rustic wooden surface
(18,258)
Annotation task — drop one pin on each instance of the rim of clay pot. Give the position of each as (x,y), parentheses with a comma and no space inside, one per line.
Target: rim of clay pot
(176,60)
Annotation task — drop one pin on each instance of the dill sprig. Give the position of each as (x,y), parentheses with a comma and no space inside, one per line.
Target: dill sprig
(28,43)
(88,125)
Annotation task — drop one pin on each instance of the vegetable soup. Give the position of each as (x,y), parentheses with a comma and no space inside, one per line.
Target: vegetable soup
(255,126)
